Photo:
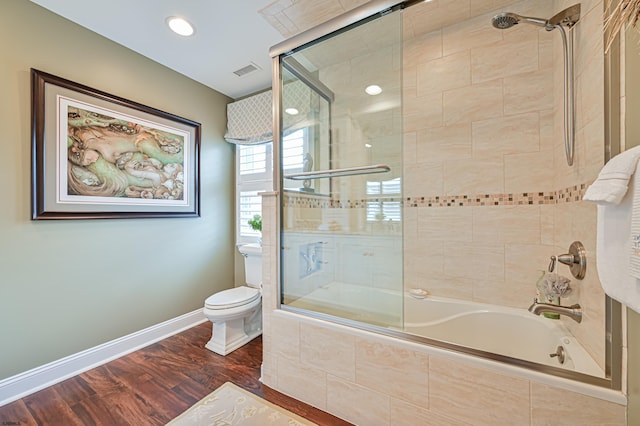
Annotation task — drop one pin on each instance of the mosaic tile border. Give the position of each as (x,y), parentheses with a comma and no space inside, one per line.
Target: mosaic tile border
(566,195)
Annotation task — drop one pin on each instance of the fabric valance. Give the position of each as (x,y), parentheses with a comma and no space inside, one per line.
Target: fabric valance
(250,120)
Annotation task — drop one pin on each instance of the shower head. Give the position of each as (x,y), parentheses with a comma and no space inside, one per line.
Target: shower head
(508,20)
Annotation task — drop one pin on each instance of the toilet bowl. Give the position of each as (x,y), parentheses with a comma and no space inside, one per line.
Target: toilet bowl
(236,313)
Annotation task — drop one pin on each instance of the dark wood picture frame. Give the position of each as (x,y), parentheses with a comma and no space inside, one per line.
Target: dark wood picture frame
(99,156)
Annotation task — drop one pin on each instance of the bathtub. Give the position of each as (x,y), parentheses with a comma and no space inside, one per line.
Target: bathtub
(510,332)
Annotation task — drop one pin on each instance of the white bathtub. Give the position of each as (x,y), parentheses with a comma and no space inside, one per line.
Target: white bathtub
(512,332)
(516,333)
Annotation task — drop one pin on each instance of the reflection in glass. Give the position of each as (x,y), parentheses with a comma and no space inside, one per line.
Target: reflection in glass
(342,236)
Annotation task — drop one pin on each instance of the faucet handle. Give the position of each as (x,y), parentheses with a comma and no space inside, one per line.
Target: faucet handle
(568,259)
(576,259)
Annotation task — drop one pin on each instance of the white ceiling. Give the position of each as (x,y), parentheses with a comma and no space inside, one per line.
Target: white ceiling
(230,34)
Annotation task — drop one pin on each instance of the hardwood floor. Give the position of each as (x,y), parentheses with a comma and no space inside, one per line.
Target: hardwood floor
(152,386)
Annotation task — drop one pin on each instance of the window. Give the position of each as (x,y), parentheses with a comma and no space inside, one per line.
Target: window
(253,160)
(250,205)
(293,149)
(254,174)
(380,204)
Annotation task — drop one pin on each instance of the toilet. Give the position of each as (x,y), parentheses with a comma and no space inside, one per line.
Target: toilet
(236,313)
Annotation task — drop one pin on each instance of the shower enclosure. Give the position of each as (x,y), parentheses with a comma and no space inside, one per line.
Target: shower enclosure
(342,214)
(424,185)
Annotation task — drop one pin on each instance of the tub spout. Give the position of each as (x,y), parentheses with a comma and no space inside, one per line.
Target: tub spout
(574,311)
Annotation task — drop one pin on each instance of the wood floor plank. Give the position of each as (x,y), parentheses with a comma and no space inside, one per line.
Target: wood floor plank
(48,407)
(134,409)
(135,366)
(153,385)
(191,391)
(101,381)
(16,414)
(75,389)
(94,411)
(162,399)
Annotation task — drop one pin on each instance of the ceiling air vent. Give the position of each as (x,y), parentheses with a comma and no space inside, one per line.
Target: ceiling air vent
(246,70)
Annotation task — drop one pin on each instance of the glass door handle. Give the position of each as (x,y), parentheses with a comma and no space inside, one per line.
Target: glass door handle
(349,171)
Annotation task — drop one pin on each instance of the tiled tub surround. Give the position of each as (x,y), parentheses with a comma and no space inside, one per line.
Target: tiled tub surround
(375,380)
(489,121)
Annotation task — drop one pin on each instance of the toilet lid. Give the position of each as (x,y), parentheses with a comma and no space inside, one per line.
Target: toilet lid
(231,298)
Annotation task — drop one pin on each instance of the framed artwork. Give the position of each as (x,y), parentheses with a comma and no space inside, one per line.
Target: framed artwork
(99,156)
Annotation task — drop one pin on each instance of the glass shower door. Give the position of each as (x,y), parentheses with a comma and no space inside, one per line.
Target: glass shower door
(341,168)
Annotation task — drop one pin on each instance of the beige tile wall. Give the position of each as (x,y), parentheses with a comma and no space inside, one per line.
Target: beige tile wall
(483,115)
(491,93)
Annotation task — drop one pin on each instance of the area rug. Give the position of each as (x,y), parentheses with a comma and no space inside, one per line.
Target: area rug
(230,405)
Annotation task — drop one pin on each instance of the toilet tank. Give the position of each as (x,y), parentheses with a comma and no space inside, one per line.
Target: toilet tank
(252,254)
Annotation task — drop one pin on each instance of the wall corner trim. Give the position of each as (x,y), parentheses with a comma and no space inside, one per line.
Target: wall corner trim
(28,382)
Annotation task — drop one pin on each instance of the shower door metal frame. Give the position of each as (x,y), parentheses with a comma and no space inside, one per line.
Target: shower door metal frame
(356,16)
(297,70)
(281,56)
(612,147)
(369,11)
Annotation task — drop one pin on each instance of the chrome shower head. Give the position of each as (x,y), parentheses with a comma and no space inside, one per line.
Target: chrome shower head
(507,20)
(504,20)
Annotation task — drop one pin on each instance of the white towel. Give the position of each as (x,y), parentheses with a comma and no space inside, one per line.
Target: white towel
(612,251)
(613,180)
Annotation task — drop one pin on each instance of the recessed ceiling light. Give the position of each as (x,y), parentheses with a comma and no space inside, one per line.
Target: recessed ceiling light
(367,145)
(291,111)
(180,26)
(373,90)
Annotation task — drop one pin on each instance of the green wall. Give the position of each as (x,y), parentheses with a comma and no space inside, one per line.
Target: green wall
(66,286)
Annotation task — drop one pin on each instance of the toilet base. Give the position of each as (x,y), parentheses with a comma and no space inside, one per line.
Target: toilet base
(229,335)
(233,343)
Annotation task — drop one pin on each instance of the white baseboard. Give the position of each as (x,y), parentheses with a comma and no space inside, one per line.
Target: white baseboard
(28,382)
